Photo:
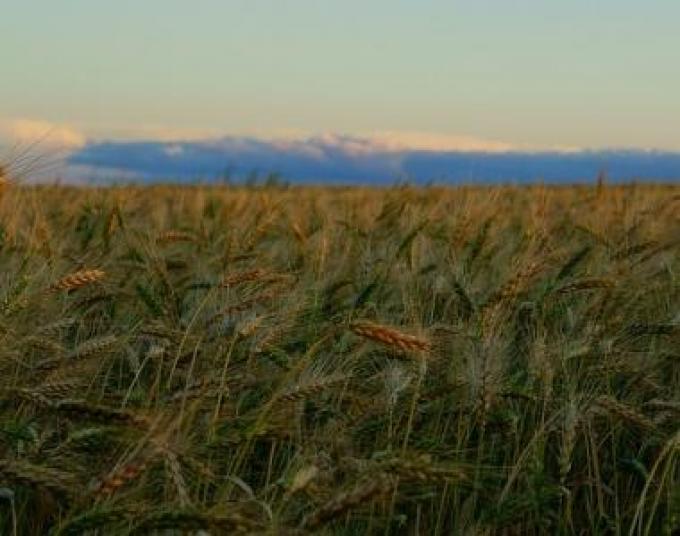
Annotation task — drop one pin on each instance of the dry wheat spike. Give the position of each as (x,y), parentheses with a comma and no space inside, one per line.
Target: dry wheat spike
(390,336)
(77,279)
(175,236)
(380,484)
(243,277)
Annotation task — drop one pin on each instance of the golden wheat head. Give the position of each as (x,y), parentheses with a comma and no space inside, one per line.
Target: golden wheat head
(390,336)
(77,279)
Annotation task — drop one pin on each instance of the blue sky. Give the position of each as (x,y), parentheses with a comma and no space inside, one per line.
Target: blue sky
(525,75)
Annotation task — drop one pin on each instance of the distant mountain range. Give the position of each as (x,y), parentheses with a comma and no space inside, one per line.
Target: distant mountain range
(355,160)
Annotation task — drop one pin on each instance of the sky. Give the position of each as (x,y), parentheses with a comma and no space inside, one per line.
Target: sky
(481,76)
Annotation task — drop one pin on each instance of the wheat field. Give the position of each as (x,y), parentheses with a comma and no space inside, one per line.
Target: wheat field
(300,360)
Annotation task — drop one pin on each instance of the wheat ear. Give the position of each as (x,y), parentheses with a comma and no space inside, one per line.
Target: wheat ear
(390,336)
(77,280)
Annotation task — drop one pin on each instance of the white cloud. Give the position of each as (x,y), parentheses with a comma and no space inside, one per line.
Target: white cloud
(173,150)
(396,140)
(43,133)
(392,140)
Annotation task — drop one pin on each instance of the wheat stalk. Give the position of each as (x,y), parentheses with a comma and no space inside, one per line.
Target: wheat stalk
(569,429)
(365,490)
(62,484)
(243,277)
(115,480)
(585,284)
(515,285)
(94,346)
(56,327)
(421,469)
(82,409)
(312,388)
(194,521)
(302,479)
(175,236)
(625,412)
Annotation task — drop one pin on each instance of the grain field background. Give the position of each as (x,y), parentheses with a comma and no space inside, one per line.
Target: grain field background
(271,360)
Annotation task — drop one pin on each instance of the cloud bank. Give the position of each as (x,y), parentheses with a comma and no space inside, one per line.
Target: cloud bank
(382,158)
(45,134)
